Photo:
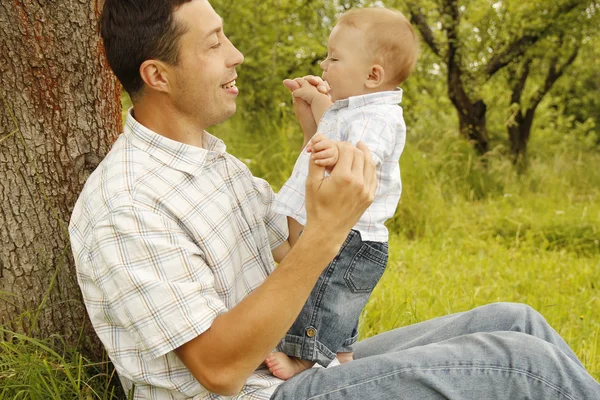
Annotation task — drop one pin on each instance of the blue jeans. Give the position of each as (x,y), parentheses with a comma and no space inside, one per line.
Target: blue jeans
(328,321)
(498,351)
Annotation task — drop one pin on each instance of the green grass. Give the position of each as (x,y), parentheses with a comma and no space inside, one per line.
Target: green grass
(35,369)
(466,233)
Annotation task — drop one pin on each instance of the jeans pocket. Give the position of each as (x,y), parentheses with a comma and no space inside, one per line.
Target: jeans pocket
(367,267)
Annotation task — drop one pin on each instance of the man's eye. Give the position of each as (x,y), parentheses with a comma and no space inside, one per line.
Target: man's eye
(216,46)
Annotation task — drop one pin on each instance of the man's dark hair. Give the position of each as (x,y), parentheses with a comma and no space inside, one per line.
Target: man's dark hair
(138,30)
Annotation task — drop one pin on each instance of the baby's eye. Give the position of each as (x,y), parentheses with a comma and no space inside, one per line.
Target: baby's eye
(333,59)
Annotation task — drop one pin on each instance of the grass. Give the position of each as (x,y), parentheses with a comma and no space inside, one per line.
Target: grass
(35,369)
(467,232)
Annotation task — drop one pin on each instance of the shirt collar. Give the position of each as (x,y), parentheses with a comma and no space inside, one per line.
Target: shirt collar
(174,154)
(392,97)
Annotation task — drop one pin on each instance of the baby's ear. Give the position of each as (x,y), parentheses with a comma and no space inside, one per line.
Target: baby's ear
(376,77)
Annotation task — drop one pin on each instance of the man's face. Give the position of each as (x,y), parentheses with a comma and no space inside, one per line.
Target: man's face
(348,64)
(204,80)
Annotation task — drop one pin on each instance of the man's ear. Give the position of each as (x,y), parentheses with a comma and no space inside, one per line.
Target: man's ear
(376,77)
(155,75)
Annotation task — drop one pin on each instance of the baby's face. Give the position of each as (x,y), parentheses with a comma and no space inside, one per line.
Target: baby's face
(348,63)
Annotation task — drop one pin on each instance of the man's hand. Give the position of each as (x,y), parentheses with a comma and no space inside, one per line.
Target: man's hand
(316,81)
(325,151)
(335,203)
(302,109)
(306,91)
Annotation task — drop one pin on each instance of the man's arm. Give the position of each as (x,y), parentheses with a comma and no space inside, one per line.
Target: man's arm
(318,102)
(306,116)
(321,102)
(223,357)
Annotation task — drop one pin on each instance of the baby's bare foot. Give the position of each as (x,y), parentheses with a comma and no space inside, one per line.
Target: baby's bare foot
(345,357)
(285,367)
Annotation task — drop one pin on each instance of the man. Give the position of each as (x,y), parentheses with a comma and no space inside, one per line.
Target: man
(175,243)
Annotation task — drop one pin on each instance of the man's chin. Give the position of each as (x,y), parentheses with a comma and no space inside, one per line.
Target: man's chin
(225,116)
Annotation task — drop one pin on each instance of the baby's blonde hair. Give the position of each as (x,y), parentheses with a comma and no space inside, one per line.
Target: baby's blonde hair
(390,36)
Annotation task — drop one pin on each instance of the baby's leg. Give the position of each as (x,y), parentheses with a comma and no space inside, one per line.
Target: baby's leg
(284,367)
(344,357)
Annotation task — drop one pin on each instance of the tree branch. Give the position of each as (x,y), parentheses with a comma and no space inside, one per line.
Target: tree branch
(456,88)
(514,50)
(554,74)
(418,19)
(517,89)
(519,46)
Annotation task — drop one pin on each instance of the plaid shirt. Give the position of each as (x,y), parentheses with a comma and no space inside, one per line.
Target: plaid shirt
(377,120)
(166,237)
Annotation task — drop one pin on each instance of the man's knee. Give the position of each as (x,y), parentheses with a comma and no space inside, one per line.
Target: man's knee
(516,316)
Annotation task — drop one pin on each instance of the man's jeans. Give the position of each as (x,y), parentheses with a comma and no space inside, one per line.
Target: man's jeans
(498,351)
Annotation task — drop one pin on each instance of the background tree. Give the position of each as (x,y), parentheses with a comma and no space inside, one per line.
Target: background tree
(533,76)
(60,113)
(475,40)
(523,110)
(576,95)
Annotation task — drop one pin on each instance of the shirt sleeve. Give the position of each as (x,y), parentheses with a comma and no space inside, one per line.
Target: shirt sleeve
(275,223)
(376,133)
(155,280)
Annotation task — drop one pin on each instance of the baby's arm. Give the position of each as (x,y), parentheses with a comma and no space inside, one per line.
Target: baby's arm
(295,228)
(325,151)
(319,102)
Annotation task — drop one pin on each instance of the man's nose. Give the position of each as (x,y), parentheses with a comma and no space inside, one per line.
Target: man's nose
(236,57)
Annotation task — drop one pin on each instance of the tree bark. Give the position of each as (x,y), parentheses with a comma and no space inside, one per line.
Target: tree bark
(59,115)
(519,128)
(519,133)
(471,114)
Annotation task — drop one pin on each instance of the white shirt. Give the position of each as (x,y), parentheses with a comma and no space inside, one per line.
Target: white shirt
(376,119)
(166,237)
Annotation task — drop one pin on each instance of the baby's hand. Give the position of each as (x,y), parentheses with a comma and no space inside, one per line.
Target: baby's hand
(306,91)
(325,151)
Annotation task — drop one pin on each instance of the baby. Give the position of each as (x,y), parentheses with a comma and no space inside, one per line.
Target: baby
(370,52)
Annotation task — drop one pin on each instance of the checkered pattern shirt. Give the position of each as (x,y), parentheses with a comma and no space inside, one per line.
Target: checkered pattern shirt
(376,119)
(166,237)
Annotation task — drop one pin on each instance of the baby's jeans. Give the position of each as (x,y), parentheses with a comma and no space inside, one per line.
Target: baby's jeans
(328,321)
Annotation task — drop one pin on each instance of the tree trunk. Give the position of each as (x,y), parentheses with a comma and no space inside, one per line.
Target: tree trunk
(473,127)
(59,115)
(519,132)
(471,116)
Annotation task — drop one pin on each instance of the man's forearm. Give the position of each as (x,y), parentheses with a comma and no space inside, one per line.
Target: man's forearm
(309,130)
(242,338)
(319,105)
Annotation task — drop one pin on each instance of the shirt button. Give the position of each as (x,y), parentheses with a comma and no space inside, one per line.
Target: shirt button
(311,331)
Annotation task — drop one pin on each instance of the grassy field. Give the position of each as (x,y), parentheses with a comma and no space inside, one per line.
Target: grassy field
(467,232)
